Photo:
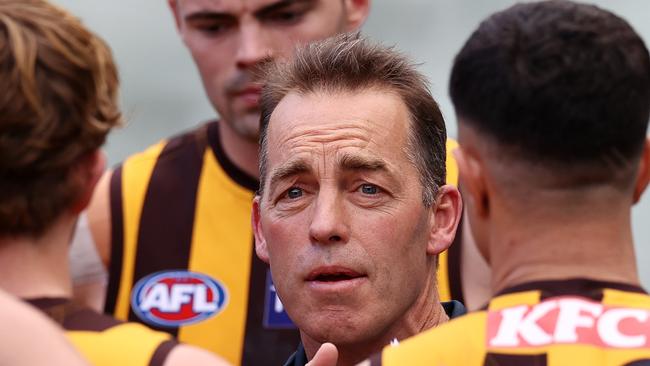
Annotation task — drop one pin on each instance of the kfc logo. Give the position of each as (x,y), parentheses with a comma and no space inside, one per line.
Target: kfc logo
(568,320)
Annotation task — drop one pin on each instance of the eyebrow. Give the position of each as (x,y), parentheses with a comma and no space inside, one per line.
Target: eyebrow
(209,15)
(347,162)
(288,169)
(271,8)
(356,162)
(280,5)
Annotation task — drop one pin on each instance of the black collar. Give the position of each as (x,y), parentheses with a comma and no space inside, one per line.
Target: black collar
(239,176)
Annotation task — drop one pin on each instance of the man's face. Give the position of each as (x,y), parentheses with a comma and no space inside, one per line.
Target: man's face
(341,220)
(228,38)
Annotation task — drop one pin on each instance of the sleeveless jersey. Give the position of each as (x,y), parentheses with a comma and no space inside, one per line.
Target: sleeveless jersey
(571,322)
(105,341)
(183,258)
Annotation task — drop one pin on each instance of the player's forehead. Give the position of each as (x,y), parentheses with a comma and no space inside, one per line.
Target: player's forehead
(234,7)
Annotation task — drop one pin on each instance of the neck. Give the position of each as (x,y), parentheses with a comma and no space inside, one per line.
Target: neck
(38,267)
(426,312)
(571,241)
(241,151)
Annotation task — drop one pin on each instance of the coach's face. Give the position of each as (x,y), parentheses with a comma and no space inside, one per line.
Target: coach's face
(341,220)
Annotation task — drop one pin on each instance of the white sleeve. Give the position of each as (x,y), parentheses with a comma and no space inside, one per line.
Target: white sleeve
(85,264)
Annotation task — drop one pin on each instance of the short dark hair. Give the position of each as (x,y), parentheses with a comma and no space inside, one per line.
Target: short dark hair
(58,102)
(350,63)
(558,83)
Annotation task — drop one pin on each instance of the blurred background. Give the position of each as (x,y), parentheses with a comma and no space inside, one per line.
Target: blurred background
(162,92)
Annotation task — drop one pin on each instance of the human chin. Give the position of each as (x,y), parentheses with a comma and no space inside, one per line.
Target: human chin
(340,321)
(345,326)
(247,125)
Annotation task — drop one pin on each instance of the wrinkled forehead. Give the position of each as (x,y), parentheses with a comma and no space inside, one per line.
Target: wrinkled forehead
(329,123)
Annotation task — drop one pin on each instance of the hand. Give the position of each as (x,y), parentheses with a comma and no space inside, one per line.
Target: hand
(327,355)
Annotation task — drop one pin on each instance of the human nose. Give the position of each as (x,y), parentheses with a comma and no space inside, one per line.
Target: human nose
(329,225)
(254,46)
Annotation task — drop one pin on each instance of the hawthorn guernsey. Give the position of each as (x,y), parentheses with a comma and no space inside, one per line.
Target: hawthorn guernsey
(174,298)
(549,323)
(569,320)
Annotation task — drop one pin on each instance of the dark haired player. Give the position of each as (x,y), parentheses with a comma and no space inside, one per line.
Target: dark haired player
(553,100)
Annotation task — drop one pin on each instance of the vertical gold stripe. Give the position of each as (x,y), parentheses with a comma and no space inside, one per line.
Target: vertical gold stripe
(222,247)
(444,291)
(452,167)
(136,173)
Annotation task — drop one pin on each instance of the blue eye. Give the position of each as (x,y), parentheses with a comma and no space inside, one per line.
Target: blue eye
(294,193)
(369,189)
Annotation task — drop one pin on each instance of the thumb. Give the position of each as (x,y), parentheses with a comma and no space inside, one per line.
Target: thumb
(327,355)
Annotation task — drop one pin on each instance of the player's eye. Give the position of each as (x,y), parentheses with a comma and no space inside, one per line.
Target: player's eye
(211,27)
(369,189)
(289,15)
(285,16)
(294,192)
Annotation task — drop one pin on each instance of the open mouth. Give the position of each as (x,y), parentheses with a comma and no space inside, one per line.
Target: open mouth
(333,274)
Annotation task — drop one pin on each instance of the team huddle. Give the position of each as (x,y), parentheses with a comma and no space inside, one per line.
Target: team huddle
(325,218)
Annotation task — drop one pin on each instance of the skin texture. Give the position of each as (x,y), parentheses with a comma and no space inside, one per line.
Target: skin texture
(343,195)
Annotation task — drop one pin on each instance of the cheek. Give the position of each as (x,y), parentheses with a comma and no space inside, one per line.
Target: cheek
(396,243)
(211,59)
(284,239)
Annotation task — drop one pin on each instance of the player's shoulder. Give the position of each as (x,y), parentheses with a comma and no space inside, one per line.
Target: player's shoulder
(169,147)
(469,328)
(88,320)
(106,341)
(441,344)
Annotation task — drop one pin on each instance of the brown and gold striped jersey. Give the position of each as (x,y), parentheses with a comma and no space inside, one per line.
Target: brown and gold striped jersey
(183,258)
(104,341)
(554,323)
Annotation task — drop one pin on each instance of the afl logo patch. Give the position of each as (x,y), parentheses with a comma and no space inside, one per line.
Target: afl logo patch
(176,298)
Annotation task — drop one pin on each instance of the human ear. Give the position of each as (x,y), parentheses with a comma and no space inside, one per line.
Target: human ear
(446,216)
(471,174)
(260,241)
(356,13)
(643,175)
(88,171)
